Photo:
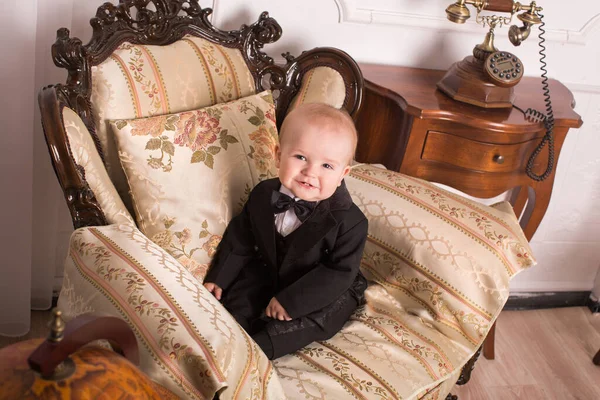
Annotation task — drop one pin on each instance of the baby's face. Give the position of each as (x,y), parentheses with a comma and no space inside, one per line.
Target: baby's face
(313,160)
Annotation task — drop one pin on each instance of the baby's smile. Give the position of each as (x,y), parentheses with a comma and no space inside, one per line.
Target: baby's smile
(306,185)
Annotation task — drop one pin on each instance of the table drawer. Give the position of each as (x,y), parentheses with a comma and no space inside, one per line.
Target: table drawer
(474,155)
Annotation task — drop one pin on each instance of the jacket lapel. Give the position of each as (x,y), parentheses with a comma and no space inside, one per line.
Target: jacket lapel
(317,226)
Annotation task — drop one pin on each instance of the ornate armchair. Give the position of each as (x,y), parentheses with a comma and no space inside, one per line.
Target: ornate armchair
(160,104)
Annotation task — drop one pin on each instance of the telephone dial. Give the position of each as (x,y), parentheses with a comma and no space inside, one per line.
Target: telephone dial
(503,69)
(486,79)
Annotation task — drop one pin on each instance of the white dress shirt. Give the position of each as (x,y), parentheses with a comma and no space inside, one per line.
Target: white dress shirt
(287,222)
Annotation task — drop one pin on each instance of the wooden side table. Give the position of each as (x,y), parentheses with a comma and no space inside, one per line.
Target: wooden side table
(419,131)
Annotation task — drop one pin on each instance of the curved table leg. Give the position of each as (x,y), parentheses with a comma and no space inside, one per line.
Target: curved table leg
(539,198)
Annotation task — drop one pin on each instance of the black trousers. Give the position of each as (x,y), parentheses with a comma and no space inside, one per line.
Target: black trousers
(250,294)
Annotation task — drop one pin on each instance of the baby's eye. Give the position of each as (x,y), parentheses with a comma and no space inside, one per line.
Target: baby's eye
(328,166)
(300,157)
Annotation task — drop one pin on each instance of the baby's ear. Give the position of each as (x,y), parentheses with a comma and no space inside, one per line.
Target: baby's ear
(346,171)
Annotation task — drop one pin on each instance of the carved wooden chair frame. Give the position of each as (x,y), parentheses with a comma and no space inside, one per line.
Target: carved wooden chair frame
(162,22)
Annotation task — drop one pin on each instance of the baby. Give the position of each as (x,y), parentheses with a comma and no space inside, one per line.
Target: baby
(287,268)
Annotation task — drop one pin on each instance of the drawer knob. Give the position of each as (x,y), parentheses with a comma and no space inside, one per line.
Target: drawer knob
(498,159)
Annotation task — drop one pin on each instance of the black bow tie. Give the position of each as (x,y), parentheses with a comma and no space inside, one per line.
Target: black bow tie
(281,202)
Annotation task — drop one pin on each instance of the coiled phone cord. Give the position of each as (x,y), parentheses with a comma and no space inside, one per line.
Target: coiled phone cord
(538,116)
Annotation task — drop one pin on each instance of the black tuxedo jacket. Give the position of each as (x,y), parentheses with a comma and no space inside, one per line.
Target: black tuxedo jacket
(321,263)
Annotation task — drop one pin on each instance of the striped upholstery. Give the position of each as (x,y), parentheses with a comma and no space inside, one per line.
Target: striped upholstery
(383,352)
(187,340)
(140,81)
(440,391)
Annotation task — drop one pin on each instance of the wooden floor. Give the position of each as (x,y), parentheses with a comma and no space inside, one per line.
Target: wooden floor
(542,354)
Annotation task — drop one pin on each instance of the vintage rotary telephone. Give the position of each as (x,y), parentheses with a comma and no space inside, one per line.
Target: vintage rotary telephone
(486,79)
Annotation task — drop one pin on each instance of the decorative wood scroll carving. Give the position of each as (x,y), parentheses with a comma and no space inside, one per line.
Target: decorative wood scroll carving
(162,22)
(465,374)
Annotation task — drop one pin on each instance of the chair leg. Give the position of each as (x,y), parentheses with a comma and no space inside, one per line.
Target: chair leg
(488,344)
(451,397)
(597,358)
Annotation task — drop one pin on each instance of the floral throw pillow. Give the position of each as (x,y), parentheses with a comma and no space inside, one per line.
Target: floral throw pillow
(189,173)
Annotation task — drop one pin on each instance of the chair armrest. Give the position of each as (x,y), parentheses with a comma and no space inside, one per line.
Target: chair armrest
(443,257)
(188,342)
(82,204)
(90,194)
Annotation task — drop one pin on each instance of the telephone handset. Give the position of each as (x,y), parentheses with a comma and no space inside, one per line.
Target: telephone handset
(486,79)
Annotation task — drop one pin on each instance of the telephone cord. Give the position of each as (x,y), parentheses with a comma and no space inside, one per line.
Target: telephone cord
(548,118)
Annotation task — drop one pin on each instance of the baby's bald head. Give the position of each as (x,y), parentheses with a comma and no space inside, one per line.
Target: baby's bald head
(325,117)
(317,144)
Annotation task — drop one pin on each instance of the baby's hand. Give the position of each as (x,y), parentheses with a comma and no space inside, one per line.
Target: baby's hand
(214,289)
(276,310)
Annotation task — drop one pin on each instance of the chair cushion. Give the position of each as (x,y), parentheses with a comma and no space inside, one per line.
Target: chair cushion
(191,172)
(382,352)
(139,81)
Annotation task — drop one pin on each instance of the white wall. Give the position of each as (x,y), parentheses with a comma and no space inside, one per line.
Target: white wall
(17,19)
(414,33)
